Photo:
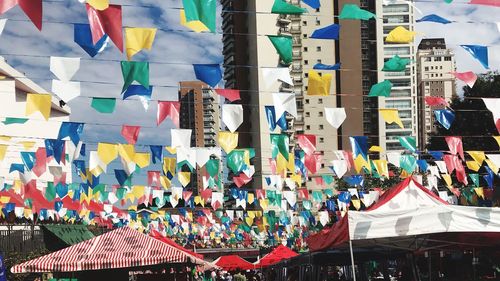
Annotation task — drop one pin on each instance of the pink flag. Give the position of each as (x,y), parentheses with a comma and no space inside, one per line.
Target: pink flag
(229,94)
(130,133)
(307,143)
(434,101)
(154,178)
(495,3)
(241,180)
(313,162)
(32,8)
(455,145)
(108,22)
(303,194)
(468,77)
(260,193)
(41,162)
(168,109)
(186,195)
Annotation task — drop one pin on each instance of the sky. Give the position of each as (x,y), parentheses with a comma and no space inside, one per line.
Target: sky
(175,50)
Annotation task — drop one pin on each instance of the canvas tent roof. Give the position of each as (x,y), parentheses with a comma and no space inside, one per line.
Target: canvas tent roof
(232,263)
(121,248)
(275,256)
(406,211)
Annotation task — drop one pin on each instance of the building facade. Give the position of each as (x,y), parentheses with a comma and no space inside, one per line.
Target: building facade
(436,64)
(404,91)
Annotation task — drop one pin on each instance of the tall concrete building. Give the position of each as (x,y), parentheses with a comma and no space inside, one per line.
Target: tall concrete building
(435,63)
(199,112)
(404,91)
(247,50)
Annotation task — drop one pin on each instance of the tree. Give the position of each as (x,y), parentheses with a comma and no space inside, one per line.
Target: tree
(473,121)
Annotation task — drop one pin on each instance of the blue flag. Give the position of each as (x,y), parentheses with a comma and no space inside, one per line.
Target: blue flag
(359,146)
(71,130)
(438,155)
(83,37)
(138,90)
(312,3)
(271,119)
(478,52)
(445,117)
(28,159)
(16,167)
(156,152)
(121,177)
(330,32)
(434,18)
(320,66)
(208,73)
(3,276)
(55,148)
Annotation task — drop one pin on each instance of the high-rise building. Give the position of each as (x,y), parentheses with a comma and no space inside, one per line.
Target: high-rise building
(435,64)
(404,91)
(247,50)
(199,111)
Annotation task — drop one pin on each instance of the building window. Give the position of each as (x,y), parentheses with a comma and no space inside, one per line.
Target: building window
(306,62)
(308,127)
(304,35)
(321,140)
(304,23)
(318,61)
(320,114)
(305,49)
(306,75)
(447,58)
(307,101)
(318,48)
(437,59)
(318,22)
(308,114)
(320,127)
(317,10)
(322,165)
(426,68)
(320,101)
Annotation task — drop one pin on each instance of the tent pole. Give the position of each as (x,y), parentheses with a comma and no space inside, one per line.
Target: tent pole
(352,261)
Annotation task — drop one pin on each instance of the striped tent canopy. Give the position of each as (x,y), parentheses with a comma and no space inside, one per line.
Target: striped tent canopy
(120,248)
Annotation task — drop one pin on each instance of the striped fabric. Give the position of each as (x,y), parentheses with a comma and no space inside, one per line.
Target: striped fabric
(120,248)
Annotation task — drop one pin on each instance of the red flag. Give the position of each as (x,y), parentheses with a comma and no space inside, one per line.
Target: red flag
(455,146)
(498,125)
(186,195)
(303,194)
(260,193)
(41,162)
(206,194)
(229,94)
(241,180)
(61,179)
(130,133)
(468,77)
(108,22)
(307,143)
(32,8)
(434,101)
(313,162)
(319,181)
(168,109)
(154,178)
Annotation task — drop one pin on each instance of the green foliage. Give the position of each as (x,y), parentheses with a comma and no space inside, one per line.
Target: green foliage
(239,277)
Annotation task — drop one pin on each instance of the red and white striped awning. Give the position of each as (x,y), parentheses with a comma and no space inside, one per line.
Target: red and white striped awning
(120,248)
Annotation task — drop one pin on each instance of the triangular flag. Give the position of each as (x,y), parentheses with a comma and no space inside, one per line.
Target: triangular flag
(201,10)
(319,85)
(468,77)
(64,68)
(103,105)
(168,109)
(433,18)
(32,8)
(210,74)
(353,12)
(137,39)
(400,35)
(66,90)
(330,32)
(107,22)
(391,116)
(478,52)
(83,37)
(396,64)
(283,45)
(228,141)
(135,71)
(382,89)
(107,152)
(282,7)
(284,102)
(232,116)
(99,4)
(335,116)
(229,94)
(445,117)
(195,25)
(39,103)
(130,133)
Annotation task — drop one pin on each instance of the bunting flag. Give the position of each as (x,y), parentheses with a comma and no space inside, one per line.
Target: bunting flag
(396,64)
(130,133)
(436,101)
(493,105)
(330,32)
(195,25)
(12,120)
(320,66)
(71,130)
(391,116)
(307,143)
(315,4)
(480,53)
(359,146)
(382,89)
(433,18)
(270,76)
(283,45)
(335,116)
(468,77)
(108,21)
(271,119)
(400,35)
(83,37)
(279,144)
(32,8)
(229,94)
(168,109)
(228,141)
(39,103)
(66,90)
(455,146)
(135,71)
(284,102)
(409,143)
(232,116)
(282,7)
(353,12)
(3,22)
(103,105)
(445,117)
(210,74)
(493,3)
(203,11)
(64,68)
(107,152)
(319,85)
(137,39)
(100,5)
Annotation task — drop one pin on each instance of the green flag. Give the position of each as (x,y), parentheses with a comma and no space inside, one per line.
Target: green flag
(12,120)
(409,143)
(328,179)
(212,167)
(475,179)
(120,193)
(236,160)
(353,12)
(50,192)
(282,7)
(135,71)
(279,143)
(201,10)
(408,163)
(283,44)
(396,64)
(104,105)
(382,89)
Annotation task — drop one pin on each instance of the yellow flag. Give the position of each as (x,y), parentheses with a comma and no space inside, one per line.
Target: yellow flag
(165,182)
(171,150)
(291,164)
(138,191)
(249,220)
(250,198)
(296,178)
(479,191)
(391,116)
(5,138)
(376,148)
(126,152)
(169,165)
(27,213)
(281,164)
(447,179)
(4,199)
(381,167)
(478,156)
(264,204)
(319,85)
(28,145)
(3,151)
(360,162)
(400,35)
(99,4)
(473,165)
(142,159)
(39,102)
(228,141)
(18,184)
(107,152)
(497,138)
(356,203)
(199,201)
(196,26)
(137,38)
(184,178)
